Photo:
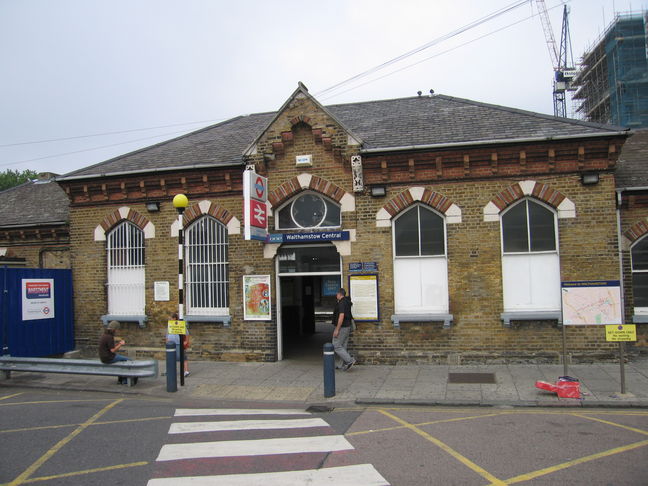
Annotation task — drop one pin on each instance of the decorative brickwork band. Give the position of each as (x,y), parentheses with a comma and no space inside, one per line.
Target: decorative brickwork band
(195,211)
(636,231)
(411,196)
(294,186)
(119,215)
(537,190)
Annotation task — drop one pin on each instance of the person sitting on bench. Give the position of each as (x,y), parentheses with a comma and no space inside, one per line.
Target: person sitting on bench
(108,349)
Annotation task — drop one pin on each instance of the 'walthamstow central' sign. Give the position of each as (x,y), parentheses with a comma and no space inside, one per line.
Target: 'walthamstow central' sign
(307,237)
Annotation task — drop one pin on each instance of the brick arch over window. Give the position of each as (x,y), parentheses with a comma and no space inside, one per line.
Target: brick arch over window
(124,213)
(309,182)
(637,231)
(543,192)
(411,196)
(209,208)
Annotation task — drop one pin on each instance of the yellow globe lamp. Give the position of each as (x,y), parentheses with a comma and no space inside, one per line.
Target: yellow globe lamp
(180,202)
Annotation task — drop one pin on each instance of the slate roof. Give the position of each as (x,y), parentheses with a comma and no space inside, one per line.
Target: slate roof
(633,161)
(416,121)
(34,203)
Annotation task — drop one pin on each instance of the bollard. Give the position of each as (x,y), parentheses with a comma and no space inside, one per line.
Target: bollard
(172,380)
(329,371)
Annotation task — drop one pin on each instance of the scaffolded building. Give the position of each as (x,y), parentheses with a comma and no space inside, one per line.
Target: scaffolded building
(612,85)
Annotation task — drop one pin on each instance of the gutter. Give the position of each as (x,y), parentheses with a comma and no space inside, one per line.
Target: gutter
(630,189)
(32,225)
(493,142)
(146,171)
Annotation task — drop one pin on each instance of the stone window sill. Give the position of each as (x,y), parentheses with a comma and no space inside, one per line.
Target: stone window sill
(225,320)
(445,318)
(140,319)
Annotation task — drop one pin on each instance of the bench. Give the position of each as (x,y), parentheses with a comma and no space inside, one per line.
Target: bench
(131,370)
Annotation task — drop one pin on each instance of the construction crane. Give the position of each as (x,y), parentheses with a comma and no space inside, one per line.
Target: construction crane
(562,58)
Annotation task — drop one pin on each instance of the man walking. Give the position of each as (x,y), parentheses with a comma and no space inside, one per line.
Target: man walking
(342,321)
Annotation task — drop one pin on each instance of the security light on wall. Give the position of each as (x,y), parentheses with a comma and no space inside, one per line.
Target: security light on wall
(153,206)
(589,178)
(378,191)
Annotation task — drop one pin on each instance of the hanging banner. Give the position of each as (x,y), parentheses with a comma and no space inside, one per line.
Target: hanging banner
(37,298)
(255,212)
(256,298)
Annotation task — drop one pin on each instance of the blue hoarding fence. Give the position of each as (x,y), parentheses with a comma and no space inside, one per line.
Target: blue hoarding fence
(36,311)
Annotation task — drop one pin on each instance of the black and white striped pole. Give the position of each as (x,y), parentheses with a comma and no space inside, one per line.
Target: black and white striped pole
(180,202)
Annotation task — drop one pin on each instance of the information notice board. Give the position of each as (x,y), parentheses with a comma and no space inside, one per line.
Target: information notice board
(591,303)
(363,290)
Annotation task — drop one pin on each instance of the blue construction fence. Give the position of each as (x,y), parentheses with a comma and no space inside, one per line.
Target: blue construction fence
(36,312)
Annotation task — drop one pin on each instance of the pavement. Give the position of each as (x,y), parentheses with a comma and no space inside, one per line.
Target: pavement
(301,381)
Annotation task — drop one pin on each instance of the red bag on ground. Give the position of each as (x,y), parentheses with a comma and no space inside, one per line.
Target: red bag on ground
(564,388)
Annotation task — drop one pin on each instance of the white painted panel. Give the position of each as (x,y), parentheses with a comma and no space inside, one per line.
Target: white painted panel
(192,427)
(234,448)
(421,285)
(434,284)
(531,282)
(358,475)
(196,412)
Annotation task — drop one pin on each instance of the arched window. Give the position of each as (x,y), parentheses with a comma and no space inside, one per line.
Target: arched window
(530,261)
(125,248)
(420,263)
(308,210)
(207,272)
(639,253)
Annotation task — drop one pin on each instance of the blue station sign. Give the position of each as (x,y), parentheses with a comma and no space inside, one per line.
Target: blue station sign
(307,237)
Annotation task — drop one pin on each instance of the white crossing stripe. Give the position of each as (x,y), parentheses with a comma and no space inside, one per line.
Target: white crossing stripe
(193,412)
(360,475)
(192,427)
(327,443)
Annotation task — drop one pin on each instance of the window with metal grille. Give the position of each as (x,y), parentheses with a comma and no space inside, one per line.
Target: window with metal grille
(207,268)
(126,271)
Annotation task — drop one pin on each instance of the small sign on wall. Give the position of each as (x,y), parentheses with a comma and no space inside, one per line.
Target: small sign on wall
(161,291)
(37,298)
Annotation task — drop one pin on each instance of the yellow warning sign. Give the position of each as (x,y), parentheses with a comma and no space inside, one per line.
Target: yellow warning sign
(177,327)
(618,332)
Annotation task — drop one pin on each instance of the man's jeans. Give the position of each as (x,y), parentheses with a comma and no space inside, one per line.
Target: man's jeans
(340,344)
(118,358)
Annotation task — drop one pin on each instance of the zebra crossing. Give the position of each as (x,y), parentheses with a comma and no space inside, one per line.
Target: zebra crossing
(209,447)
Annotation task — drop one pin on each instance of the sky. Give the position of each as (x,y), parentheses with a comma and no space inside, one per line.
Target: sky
(83,81)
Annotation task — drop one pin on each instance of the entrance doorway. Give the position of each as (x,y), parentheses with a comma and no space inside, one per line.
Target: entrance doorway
(308,277)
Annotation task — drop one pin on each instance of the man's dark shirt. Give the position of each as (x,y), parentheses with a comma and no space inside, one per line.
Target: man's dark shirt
(106,343)
(342,306)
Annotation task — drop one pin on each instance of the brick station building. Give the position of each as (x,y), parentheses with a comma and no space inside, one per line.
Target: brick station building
(464,217)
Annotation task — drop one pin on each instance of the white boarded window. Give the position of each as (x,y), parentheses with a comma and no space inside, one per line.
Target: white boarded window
(126,271)
(207,268)
(639,253)
(530,259)
(420,262)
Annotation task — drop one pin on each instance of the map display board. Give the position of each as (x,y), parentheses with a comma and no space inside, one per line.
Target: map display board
(591,303)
